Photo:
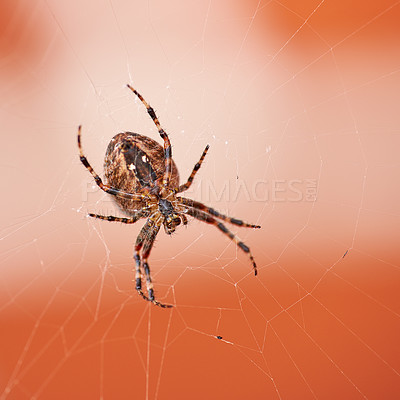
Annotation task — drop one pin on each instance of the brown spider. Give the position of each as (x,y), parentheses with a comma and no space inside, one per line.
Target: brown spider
(144,181)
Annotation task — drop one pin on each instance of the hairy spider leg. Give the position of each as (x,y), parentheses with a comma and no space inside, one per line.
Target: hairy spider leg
(106,188)
(164,136)
(146,240)
(208,210)
(197,166)
(111,218)
(202,216)
(138,246)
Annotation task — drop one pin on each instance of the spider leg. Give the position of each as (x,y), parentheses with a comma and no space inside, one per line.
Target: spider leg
(146,240)
(208,210)
(106,188)
(202,216)
(117,219)
(164,136)
(145,255)
(197,166)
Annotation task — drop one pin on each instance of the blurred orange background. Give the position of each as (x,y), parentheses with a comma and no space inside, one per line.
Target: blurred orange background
(299,103)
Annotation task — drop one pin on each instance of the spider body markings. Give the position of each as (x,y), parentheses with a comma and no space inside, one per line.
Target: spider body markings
(144,181)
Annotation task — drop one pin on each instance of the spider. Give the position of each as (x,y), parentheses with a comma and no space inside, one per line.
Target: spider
(144,181)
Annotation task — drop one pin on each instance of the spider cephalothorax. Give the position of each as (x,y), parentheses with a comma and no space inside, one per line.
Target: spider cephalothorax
(172,218)
(144,181)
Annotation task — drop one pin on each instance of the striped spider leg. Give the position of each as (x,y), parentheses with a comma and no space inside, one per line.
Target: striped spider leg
(167,144)
(144,242)
(196,167)
(206,214)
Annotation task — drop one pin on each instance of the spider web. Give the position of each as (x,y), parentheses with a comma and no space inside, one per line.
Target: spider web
(299,103)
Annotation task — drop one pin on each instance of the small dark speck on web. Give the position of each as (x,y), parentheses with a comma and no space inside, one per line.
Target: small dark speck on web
(219,337)
(344,255)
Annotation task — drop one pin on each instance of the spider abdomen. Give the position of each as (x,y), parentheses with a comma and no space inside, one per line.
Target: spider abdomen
(134,163)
